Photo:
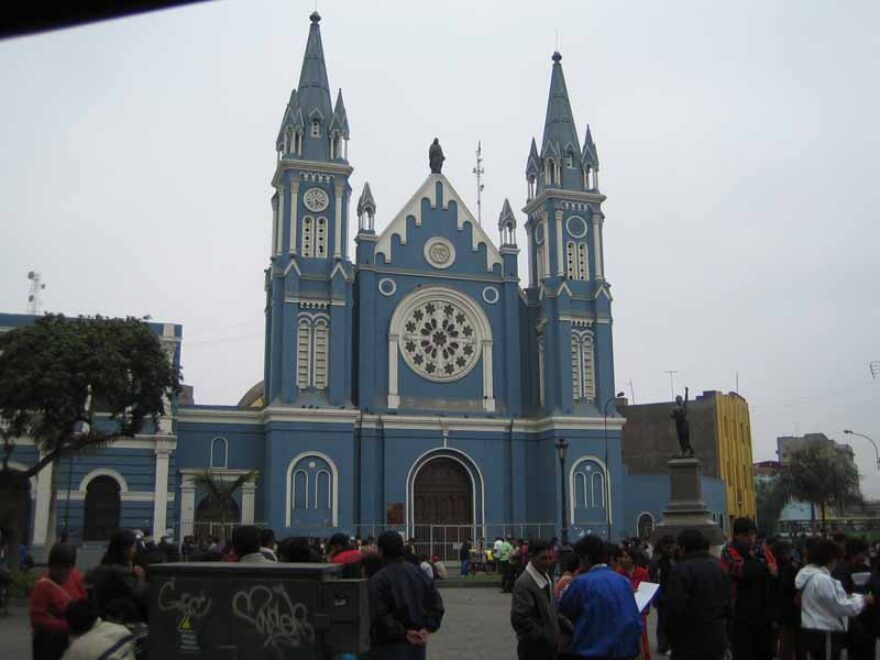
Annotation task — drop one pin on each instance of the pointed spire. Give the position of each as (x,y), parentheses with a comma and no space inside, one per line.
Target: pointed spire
(533,165)
(313,110)
(590,157)
(560,135)
(340,118)
(314,89)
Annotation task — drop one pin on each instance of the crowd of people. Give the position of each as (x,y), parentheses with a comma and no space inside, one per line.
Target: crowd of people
(802,599)
(104,614)
(760,599)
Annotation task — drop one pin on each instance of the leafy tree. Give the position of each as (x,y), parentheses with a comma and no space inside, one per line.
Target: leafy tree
(54,373)
(771,494)
(824,476)
(221,493)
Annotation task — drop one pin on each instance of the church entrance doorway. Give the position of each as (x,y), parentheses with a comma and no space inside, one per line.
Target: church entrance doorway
(443,508)
(102,508)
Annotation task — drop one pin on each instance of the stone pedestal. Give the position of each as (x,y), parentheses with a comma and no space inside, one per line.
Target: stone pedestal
(686,508)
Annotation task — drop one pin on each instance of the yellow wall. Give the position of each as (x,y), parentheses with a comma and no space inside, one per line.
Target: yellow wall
(735,454)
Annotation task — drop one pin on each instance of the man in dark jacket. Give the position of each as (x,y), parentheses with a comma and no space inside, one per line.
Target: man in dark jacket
(533,610)
(405,606)
(697,602)
(751,568)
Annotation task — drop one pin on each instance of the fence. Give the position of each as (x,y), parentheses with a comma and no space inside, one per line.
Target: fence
(442,541)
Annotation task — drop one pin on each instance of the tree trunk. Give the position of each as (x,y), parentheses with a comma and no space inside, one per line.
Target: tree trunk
(822,513)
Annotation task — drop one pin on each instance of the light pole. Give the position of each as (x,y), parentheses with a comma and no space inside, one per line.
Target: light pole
(561,446)
(607,475)
(873,444)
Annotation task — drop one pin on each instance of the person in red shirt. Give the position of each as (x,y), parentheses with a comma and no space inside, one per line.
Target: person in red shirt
(49,599)
(341,552)
(636,572)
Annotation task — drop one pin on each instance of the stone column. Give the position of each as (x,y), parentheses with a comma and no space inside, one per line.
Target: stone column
(187,506)
(294,203)
(393,398)
(248,490)
(559,243)
(160,499)
(43,534)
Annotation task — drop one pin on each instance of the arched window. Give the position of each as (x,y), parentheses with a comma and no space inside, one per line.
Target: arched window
(312,351)
(569,159)
(583,377)
(321,242)
(312,491)
(583,262)
(103,506)
(588,491)
(571,260)
(645,526)
(308,236)
(219,453)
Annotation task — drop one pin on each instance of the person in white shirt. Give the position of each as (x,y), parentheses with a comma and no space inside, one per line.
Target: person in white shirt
(825,605)
(93,638)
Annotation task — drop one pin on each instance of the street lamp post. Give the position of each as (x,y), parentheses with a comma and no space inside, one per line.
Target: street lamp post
(874,444)
(605,479)
(561,446)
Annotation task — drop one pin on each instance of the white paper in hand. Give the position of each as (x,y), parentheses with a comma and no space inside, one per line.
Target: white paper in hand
(645,594)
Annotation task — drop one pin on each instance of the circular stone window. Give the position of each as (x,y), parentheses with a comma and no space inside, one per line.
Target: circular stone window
(576,227)
(387,286)
(439,252)
(440,340)
(490,295)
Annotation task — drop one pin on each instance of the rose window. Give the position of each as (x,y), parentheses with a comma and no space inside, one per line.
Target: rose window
(439,341)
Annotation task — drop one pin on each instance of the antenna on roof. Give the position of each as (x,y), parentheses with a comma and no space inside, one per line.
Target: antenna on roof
(34,296)
(479,171)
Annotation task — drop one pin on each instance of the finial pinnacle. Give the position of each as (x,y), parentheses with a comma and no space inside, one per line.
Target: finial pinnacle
(557,56)
(315,17)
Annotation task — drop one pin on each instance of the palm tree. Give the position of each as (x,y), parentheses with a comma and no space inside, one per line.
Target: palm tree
(221,493)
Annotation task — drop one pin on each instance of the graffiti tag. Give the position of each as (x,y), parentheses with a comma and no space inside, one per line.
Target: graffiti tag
(189,606)
(274,617)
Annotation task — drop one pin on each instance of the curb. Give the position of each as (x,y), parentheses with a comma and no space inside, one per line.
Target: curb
(467,584)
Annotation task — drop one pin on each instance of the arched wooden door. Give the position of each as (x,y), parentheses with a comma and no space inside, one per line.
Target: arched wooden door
(102,508)
(443,508)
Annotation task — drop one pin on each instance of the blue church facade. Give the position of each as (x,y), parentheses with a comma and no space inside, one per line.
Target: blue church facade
(420,358)
(416,382)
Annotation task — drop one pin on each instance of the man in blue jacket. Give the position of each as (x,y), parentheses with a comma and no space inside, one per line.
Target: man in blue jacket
(601,605)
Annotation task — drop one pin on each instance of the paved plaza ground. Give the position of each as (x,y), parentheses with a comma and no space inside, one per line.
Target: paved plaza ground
(476,626)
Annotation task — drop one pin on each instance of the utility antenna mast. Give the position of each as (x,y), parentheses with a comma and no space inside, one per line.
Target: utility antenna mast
(36,288)
(479,171)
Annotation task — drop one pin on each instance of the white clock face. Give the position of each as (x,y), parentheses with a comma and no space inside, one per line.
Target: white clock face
(316,199)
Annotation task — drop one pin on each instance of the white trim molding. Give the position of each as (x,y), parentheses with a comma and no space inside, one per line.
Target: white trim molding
(104,472)
(605,480)
(288,485)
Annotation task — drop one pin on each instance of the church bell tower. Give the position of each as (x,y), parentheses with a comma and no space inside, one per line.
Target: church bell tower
(568,295)
(309,280)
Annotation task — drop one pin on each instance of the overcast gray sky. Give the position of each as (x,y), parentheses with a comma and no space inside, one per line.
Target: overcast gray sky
(738,142)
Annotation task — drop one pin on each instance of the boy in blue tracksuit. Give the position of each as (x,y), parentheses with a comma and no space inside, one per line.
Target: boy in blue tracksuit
(601,606)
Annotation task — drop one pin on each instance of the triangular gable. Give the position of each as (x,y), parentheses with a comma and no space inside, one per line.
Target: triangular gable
(413,207)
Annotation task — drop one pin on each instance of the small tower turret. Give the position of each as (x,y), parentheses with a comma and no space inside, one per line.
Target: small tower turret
(534,169)
(366,210)
(339,132)
(590,162)
(507,225)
